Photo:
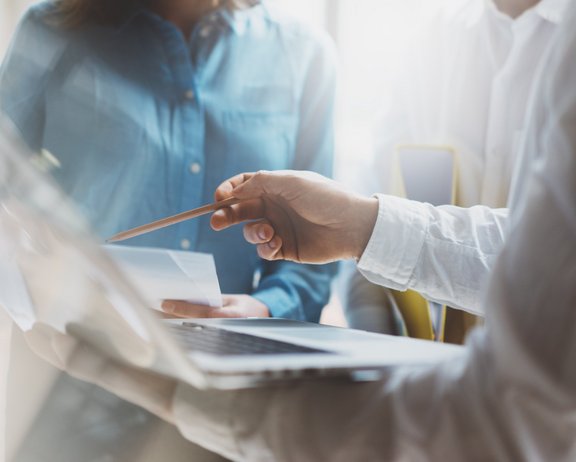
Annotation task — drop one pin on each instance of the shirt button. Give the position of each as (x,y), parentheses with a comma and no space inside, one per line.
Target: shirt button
(184,244)
(205,31)
(195,168)
(189,94)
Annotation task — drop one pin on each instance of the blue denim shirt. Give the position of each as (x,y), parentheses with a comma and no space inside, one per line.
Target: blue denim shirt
(146,123)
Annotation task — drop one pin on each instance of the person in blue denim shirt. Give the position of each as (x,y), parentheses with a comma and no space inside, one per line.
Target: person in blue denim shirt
(148,106)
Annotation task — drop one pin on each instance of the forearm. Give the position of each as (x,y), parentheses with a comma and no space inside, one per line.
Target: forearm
(296,291)
(446,253)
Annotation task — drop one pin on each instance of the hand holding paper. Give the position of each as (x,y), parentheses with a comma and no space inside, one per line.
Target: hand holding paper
(161,274)
(233,306)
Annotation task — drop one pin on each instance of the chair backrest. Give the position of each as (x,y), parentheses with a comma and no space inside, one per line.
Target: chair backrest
(426,173)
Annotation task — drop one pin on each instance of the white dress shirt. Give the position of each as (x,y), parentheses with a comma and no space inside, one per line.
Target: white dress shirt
(511,397)
(467,77)
(466,85)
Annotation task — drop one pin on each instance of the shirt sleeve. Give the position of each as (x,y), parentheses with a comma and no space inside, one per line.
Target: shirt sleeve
(34,52)
(510,396)
(445,253)
(292,290)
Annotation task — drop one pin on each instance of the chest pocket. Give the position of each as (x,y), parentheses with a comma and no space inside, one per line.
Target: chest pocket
(260,132)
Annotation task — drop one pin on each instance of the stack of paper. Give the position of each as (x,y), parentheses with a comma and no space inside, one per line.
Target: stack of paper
(161,274)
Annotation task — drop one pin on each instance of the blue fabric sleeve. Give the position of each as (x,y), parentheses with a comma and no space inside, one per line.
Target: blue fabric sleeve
(34,52)
(292,290)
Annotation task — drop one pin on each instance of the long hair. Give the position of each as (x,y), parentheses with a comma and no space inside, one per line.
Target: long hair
(72,13)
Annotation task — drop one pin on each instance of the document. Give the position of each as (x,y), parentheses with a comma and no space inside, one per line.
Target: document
(162,274)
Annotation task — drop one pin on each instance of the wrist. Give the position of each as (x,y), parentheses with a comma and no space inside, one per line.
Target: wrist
(363,224)
(276,300)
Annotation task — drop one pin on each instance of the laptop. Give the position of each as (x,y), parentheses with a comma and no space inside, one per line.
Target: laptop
(77,296)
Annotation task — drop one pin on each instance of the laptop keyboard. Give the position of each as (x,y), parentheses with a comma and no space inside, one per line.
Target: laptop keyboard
(206,339)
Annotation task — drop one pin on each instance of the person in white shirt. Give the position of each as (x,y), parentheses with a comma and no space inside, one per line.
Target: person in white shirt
(464,84)
(512,394)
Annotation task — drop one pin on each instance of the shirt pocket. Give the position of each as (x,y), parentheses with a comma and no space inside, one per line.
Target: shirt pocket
(259,140)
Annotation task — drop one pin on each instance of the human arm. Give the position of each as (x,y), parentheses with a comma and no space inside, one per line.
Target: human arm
(298,216)
(233,306)
(515,379)
(443,252)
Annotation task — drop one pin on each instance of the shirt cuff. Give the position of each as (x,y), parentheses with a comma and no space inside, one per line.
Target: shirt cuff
(280,304)
(396,242)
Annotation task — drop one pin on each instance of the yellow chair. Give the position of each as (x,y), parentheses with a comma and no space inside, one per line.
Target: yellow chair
(416,314)
(428,174)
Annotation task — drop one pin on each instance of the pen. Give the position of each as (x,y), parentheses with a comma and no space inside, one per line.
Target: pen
(164,222)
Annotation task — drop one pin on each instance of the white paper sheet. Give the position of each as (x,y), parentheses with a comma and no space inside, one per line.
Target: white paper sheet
(161,274)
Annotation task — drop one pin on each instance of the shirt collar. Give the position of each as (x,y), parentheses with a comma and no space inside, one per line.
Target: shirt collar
(552,10)
(135,12)
(469,12)
(239,19)
(549,10)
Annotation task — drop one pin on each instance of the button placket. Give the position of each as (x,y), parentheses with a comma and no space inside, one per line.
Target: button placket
(189,95)
(189,123)
(205,31)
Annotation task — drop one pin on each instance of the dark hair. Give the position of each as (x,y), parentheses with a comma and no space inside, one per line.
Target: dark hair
(74,13)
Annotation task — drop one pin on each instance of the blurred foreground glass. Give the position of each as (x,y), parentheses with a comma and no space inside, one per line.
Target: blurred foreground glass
(60,287)
(67,279)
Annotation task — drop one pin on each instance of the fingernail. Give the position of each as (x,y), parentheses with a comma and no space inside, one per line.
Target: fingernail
(272,244)
(262,234)
(168,307)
